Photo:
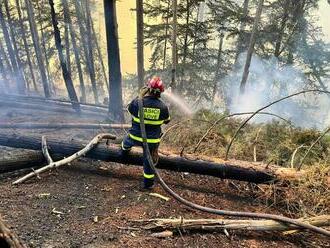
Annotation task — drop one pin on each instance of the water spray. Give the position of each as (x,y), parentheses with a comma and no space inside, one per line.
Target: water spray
(178,101)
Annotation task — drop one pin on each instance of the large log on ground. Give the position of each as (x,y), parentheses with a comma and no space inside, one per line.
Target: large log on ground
(8,239)
(249,173)
(21,159)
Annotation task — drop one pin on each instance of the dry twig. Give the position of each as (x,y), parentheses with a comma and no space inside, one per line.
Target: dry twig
(67,160)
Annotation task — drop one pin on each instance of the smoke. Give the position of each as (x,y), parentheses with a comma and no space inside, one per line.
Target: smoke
(2,85)
(270,80)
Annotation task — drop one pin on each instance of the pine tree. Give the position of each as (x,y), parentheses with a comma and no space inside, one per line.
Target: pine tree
(65,72)
(140,50)
(68,20)
(36,44)
(26,46)
(115,80)
(11,51)
(83,40)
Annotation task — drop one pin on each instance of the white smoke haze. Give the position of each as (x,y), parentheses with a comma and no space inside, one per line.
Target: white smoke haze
(270,80)
(2,85)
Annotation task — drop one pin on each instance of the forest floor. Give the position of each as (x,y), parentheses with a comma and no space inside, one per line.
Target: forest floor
(92,203)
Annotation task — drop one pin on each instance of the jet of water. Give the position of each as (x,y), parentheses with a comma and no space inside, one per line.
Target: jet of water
(178,101)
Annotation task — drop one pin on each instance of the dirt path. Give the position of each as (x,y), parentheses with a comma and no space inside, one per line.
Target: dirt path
(90,203)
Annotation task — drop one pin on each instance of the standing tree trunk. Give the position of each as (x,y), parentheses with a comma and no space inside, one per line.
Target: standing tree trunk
(68,20)
(185,47)
(4,79)
(17,74)
(217,72)
(66,74)
(67,45)
(242,25)
(297,19)
(196,30)
(94,39)
(284,20)
(26,46)
(185,43)
(36,44)
(115,87)
(21,87)
(100,57)
(90,65)
(5,70)
(140,53)
(166,33)
(21,84)
(174,35)
(251,46)
(5,58)
(43,43)
(90,48)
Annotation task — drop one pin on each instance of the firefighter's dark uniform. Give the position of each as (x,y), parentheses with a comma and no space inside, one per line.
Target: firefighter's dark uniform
(155,114)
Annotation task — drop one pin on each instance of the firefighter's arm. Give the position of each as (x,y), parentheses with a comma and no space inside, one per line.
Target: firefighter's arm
(131,107)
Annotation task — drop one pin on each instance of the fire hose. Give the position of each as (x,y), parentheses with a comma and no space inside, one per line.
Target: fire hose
(192,205)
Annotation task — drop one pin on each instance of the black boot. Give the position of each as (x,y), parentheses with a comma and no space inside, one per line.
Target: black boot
(147,185)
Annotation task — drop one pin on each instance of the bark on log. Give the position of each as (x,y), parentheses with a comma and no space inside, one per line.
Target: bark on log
(21,160)
(63,125)
(248,172)
(8,239)
(221,224)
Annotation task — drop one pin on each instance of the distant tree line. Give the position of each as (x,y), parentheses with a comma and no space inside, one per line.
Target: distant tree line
(50,45)
(47,46)
(211,35)
(28,50)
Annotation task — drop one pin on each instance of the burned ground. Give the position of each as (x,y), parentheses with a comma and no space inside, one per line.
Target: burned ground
(92,203)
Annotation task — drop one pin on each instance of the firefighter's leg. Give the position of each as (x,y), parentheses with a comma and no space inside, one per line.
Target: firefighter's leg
(126,146)
(148,172)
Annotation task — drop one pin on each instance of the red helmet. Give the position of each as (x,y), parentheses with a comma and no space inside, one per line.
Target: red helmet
(156,84)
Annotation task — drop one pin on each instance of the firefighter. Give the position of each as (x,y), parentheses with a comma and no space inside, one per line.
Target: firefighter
(155,114)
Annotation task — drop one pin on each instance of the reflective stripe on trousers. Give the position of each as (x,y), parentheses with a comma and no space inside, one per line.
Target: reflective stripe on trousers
(152,141)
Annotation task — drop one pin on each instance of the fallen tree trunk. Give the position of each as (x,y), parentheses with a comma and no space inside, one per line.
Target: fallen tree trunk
(8,239)
(248,172)
(42,99)
(221,224)
(20,160)
(52,102)
(64,125)
(50,108)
